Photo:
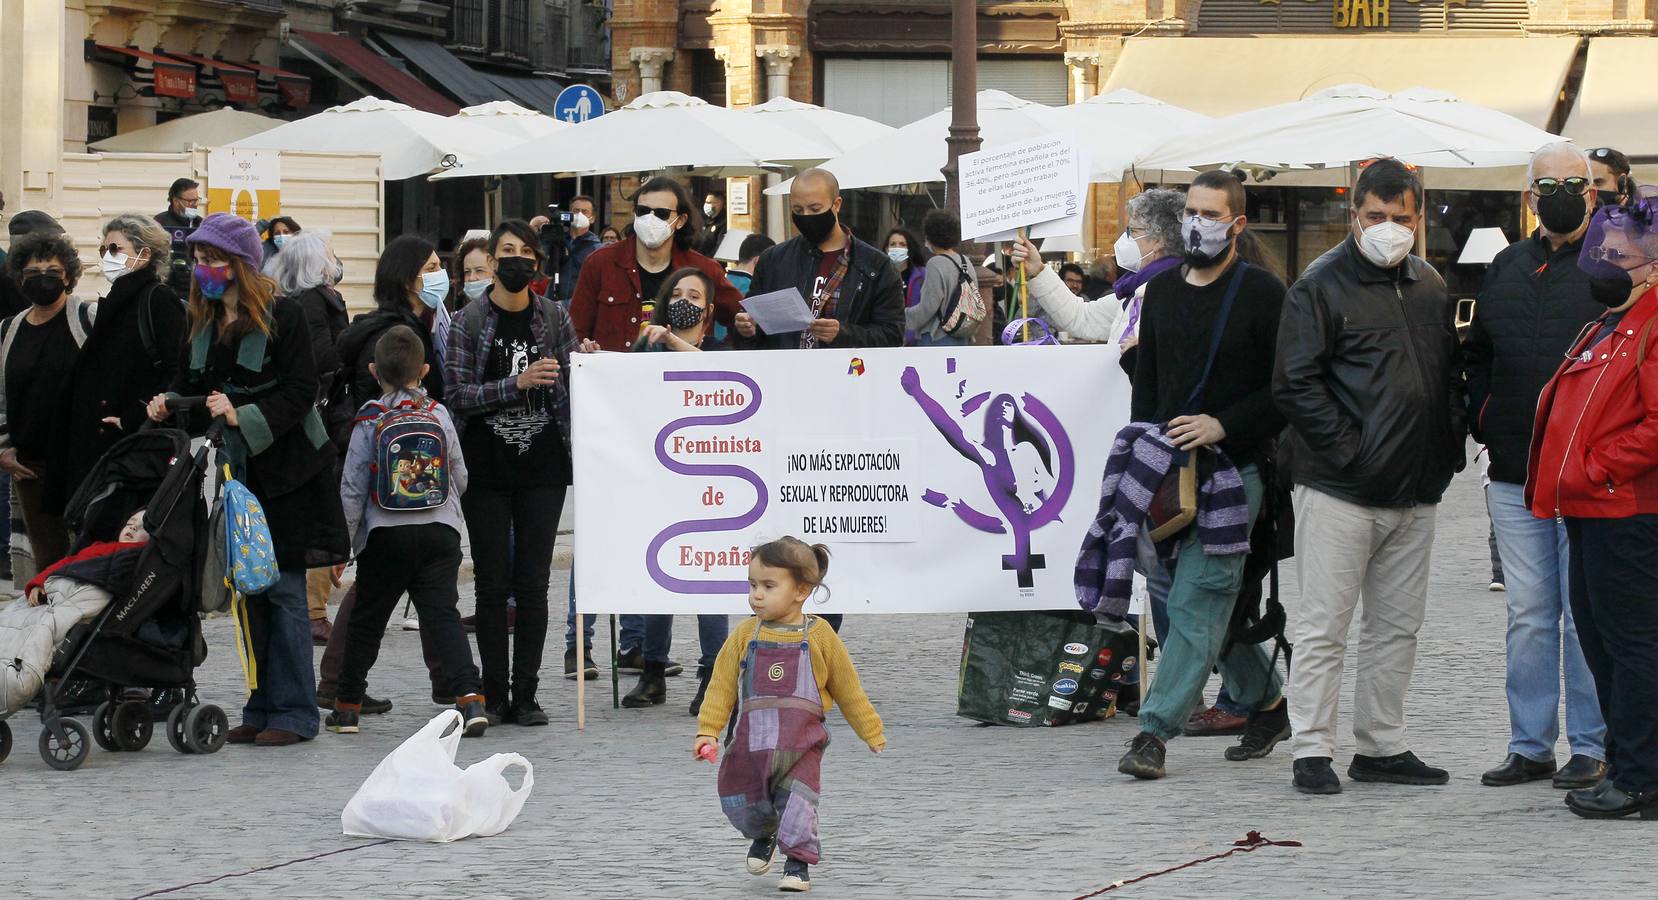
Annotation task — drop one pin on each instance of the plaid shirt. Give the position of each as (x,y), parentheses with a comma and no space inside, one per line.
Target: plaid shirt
(467,394)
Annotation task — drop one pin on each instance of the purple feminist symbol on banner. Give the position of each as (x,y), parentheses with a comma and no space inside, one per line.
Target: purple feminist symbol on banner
(1025,457)
(697,526)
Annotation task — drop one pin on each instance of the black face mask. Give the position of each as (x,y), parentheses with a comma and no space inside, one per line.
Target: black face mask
(43,290)
(515,273)
(1611,292)
(683,314)
(1560,212)
(1606,198)
(815,227)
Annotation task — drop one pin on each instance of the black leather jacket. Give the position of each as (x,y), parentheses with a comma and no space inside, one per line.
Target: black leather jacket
(871,305)
(1367,376)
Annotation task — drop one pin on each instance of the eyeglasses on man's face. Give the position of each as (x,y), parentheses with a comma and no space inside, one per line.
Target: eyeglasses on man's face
(1547,187)
(665,215)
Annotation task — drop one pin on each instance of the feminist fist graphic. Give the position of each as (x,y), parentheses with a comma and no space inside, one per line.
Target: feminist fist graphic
(1024,457)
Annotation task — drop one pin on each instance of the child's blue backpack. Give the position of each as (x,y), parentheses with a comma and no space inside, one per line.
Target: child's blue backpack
(411,455)
(251,563)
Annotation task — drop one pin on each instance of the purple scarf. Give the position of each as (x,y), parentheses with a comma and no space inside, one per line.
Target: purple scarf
(1125,286)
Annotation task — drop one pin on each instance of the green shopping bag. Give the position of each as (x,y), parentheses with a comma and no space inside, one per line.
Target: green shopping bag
(1043,668)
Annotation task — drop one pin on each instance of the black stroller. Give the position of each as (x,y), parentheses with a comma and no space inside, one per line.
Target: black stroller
(150,633)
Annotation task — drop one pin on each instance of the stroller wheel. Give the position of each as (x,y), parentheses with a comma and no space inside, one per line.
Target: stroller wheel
(65,744)
(5,741)
(205,728)
(103,727)
(175,729)
(132,726)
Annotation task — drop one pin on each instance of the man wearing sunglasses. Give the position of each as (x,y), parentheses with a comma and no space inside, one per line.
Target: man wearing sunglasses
(619,283)
(1535,301)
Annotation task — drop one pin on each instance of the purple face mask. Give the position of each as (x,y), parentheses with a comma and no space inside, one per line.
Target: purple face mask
(213,280)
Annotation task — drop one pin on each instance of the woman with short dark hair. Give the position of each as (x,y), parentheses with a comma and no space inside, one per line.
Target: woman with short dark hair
(508,357)
(941,284)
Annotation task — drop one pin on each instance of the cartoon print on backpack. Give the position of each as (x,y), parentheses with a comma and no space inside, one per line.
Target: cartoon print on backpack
(410,455)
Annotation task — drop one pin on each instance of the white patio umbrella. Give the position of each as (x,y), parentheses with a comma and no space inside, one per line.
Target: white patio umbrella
(915,153)
(1350,123)
(410,142)
(208,129)
(659,130)
(1123,124)
(842,132)
(513,122)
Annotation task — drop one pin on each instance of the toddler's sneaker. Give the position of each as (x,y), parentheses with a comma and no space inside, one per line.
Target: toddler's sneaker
(760,853)
(343,721)
(472,712)
(797,878)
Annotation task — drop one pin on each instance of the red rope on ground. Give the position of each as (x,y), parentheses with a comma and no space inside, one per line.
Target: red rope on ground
(261,869)
(1250,843)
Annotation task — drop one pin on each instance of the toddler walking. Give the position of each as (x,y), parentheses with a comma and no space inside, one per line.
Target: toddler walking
(401,488)
(781,671)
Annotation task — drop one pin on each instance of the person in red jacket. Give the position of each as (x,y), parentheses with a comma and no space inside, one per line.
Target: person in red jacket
(1594,463)
(609,306)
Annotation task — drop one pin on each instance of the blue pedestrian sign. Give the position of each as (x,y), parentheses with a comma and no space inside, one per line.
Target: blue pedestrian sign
(578,103)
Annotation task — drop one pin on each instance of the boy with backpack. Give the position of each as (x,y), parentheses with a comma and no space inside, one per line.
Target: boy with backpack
(401,488)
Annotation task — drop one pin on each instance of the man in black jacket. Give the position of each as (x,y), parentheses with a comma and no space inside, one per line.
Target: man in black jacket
(1366,375)
(1534,304)
(852,288)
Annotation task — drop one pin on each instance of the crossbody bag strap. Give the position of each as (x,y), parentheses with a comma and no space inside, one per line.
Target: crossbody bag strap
(1226,302)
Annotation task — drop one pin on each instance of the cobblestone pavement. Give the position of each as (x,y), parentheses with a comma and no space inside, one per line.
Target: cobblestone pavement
(952,809)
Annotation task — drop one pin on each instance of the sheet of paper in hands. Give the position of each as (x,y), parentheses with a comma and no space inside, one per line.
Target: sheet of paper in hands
(779,312)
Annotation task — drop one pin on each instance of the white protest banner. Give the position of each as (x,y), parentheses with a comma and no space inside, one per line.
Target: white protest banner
(942,480)
(245,183)
(1020,184)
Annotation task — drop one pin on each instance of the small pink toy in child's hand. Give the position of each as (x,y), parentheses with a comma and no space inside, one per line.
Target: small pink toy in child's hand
(709,752)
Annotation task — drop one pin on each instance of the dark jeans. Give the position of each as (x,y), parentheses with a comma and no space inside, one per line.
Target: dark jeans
(1615,605)
(423,561)
(333,656)
(512,532)
(279,628)
(711,634)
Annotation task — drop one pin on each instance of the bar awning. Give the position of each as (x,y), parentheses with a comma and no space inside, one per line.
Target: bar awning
(337,51)
(1615,107)
(167,77)
(456,77)
(292,88)
(240,84)
(534,91)
(1220,76)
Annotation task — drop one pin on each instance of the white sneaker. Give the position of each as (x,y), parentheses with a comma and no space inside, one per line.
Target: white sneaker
(412,623)
(1497,587)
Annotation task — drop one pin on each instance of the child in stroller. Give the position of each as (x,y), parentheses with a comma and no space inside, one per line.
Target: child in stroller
(122,610)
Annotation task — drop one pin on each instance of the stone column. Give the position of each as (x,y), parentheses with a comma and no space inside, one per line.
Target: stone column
(779,61)
(1084,66)
(649,61)
(32,50)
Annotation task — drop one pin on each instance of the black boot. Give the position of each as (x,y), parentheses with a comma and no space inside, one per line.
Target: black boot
(703,674)
(652,688)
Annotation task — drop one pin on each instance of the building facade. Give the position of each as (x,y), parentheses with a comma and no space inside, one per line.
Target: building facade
(1555,63)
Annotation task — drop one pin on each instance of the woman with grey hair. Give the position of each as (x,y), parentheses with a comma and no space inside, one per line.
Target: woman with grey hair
(130,355)
(305,272)
(1147,248)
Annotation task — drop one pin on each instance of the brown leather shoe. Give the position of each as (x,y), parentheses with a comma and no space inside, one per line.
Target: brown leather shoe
(320,630)
(242,734)
(276,737)
(1214,722)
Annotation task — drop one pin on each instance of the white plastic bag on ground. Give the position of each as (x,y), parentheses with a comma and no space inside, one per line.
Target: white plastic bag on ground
(417,793)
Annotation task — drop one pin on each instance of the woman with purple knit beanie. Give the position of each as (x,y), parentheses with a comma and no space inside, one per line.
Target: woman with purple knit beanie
(249,353)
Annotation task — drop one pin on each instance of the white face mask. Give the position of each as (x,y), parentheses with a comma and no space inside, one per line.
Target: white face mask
(651,231)
(190,212)
(115,265)
(1387,243)
(1127,251)
(898,255)
(708,210)
(580,221)
(475,289)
